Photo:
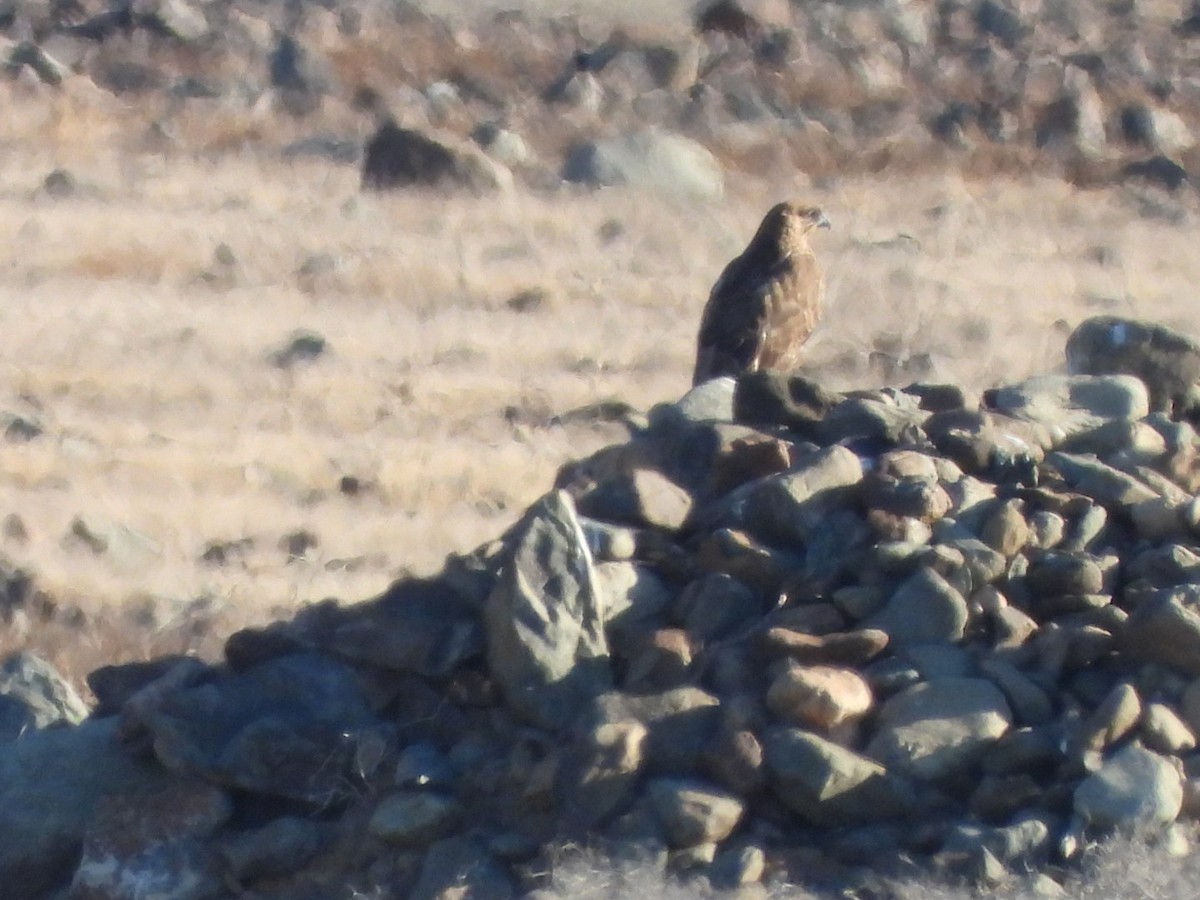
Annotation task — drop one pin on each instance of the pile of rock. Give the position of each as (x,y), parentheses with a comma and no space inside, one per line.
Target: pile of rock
(781,635)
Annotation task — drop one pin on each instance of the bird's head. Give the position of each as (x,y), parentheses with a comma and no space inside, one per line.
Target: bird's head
(806,217)
(789,224)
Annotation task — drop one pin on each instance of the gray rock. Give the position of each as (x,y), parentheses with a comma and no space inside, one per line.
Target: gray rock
(896,558)
(417,625)
(763,568)
(1056,573)
(1068,406)
(642,497)
(181,20)
(396,158)
(1134,787)
(124,76)
(711,401)
(981,565)
(1157,481)
(894,422)
(842,533)
(916,497)
(1124,442)
(935,661)
(1027,841)
(47,68)
(1165,629)
(156,841)
(988,444)
(50,784)
(414,818)
(1165,566)
(16,718)
(1088,528)
(48,696)
(422,765)
(1106,485)
(292,70)
(734,758)
(737,866)
(1007,530)
(846,648)
(1083,644)
(177,869)
(633,598)
(601,772)
(1038,750)
(829,784)
(1189,704)
(545,620)
(997,798)
(609,543)
(938,729)
(772,399)
(302,346)
(813,617)
(924,609)
(1047,529)
(658,660)
(1112,720)
(513,847)
(648,159)
(114,685)
(911,464)
(872,845)
(576,87)
(1167,361)
(1160,519)
(692,812)
(714,605)
(1164,731)
(679,723)
(186,673)
(1155,128)
(1030,703)
(505,146)
(859,601)
(290,727)
(1013,627)
(791,506)
(278,848)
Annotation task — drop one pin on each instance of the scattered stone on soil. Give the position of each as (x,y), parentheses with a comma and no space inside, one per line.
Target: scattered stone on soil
(823,88)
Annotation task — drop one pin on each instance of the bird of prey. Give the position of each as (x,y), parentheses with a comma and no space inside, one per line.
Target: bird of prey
(767,301)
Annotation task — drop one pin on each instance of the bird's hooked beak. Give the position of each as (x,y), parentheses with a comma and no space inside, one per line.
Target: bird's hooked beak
(823,222)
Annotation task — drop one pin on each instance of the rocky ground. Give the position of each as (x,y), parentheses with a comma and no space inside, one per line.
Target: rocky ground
(782,636)
(1095,94)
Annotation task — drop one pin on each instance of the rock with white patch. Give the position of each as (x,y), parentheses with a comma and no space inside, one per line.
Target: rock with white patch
(1167,360)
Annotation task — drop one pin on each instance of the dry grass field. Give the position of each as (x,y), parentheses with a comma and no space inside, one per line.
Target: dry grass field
(140,311)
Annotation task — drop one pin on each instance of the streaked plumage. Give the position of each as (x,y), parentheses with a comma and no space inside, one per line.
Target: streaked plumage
(767,301)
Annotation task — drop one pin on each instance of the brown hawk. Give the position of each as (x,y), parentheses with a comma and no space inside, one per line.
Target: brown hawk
(767,301)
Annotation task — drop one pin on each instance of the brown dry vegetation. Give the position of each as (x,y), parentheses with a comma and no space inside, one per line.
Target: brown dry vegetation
(167,428)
